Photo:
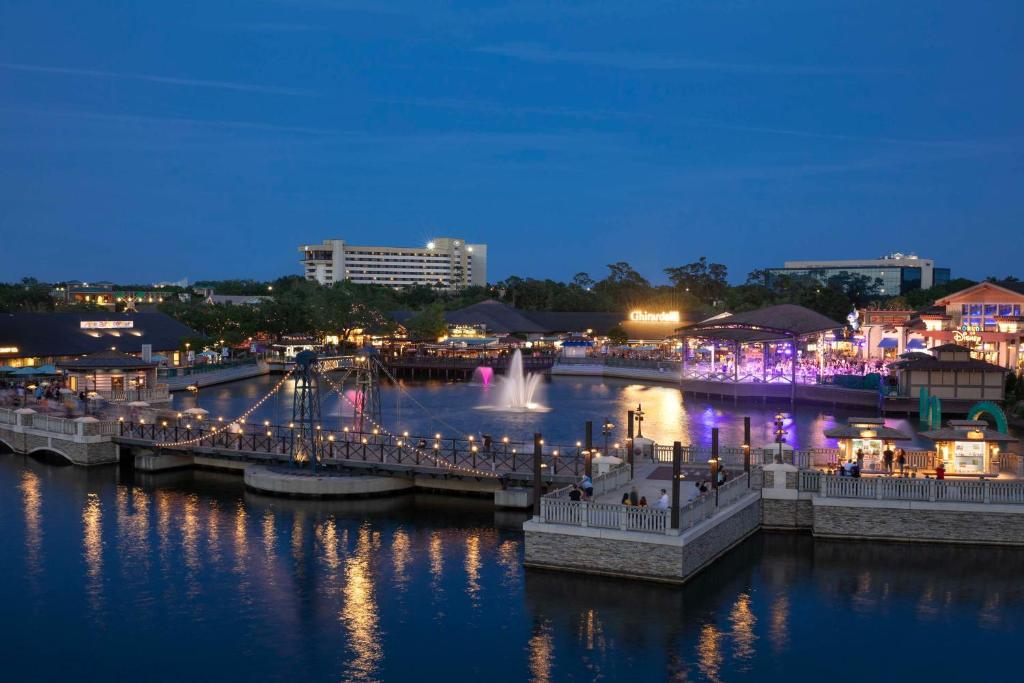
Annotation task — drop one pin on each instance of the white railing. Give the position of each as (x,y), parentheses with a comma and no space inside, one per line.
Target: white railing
(732,456)
(911,489)
(556,508)
(8,417)
(809,480)
(160,392)
(56,425)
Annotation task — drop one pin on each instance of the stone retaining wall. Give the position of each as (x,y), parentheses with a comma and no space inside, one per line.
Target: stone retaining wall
(671,558)
(914,521)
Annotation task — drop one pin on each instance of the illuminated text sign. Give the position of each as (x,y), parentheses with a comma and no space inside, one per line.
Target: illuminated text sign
(654,317)
(8,349)
(967,335)
(106,324)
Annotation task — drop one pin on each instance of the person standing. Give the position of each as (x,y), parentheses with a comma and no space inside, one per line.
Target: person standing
(574,493)
(887,458)
(940,471)
(901,460)
(634,497)
(663,501)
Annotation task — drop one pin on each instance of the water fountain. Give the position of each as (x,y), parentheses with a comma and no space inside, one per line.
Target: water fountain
(517,391)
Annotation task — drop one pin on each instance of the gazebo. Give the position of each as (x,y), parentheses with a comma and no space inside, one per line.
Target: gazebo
(759,346)
(108,373)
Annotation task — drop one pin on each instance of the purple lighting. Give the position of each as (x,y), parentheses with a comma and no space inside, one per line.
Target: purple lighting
(484,374)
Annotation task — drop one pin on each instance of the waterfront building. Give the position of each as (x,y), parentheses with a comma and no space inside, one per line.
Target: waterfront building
(112,374)
(32,339)
(950,371)
(899,273)
(969,447)
(986,318)
(445,262)
(867,435)
(493,318)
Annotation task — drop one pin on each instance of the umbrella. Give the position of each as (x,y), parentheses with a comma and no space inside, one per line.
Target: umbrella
(26,371)
(139,404)
(46,370)
(196,411)
(610,459)
(4,369)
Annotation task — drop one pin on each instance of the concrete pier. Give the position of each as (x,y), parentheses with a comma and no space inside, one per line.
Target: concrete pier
(307,485)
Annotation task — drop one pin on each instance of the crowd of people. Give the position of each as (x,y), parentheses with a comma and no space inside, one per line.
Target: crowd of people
(51,397)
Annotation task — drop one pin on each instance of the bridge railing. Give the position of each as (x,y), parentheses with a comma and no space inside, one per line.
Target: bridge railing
(915,489)
(500,457)
(8,417)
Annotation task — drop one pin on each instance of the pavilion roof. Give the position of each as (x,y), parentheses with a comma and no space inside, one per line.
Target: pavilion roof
(854,432)
(773,323)
(106,359)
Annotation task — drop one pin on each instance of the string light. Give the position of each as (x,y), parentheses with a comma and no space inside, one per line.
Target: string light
(239,421)
(379,428)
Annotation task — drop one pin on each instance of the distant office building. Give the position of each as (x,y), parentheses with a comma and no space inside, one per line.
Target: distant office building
(444,262)
(899,273)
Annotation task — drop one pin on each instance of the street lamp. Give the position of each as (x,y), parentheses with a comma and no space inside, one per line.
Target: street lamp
(780,435)
(639,421)
(606,429)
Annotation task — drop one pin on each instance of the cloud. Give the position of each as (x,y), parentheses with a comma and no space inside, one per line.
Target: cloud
(149,78)
(640,61)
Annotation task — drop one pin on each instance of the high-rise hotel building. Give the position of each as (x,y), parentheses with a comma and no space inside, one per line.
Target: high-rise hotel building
(445,262)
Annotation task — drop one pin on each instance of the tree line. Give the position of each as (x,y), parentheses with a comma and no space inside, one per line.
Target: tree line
(699,289)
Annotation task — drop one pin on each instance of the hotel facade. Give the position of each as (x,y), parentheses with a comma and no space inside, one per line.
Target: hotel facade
(899,273)
(446,262)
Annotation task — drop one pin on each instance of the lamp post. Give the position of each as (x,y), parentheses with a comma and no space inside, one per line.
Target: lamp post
(639,414)
(606,430)
(780,435)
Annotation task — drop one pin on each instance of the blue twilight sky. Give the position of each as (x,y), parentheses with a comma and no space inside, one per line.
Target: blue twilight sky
(155,140)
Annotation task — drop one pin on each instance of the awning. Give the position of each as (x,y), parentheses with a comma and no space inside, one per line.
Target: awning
(915,344)
(889,343)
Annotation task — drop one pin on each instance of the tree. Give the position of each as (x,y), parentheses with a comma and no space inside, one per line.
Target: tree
(858,288)
(428,323)
(583,280)
(706,281)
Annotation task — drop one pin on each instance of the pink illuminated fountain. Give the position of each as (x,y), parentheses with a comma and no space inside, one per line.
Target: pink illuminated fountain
(517,391)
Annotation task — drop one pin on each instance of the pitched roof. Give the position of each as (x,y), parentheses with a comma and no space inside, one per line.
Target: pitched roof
(764,324)
(105,359)
(922,362)
(575,321)
(61,334)
(496,316)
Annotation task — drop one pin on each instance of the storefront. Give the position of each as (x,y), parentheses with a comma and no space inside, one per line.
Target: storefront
(986,318)
(108,373)
(969,447)
(865,439)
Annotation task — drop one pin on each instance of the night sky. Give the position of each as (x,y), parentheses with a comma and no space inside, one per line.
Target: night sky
(144,141)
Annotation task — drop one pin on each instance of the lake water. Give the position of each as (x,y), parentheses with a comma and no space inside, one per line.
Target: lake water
(451,409)
(109,575)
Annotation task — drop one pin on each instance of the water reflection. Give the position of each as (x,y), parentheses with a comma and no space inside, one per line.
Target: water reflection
(668,415)
(743,623)
(92,544)
(423,588)
(359,614)
(32,502)
(541,648)
(401,556)
(472,564)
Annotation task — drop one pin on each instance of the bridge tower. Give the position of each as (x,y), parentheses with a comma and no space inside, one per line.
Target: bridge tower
(366,384)
(307,440)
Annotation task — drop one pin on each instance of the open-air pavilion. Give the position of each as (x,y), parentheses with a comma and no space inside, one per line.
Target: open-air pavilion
(764,353)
